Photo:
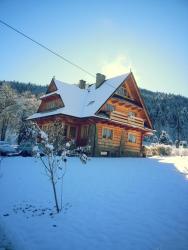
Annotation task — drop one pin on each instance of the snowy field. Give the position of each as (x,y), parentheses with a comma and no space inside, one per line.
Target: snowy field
(108,204)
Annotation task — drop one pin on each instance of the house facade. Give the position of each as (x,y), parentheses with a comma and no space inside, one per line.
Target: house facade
(110,116)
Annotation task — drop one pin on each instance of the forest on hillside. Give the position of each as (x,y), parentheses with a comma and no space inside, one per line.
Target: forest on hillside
(18,100)
(21,87)
(168,112)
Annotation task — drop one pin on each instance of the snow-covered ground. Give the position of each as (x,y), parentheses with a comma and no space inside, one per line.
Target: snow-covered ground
(180,162)
(109,203)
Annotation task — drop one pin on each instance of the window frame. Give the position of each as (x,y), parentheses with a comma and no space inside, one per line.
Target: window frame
(133,136)
(84,131)
(65,130)
(51,105)
(74,138)
(122,91)
(107,129)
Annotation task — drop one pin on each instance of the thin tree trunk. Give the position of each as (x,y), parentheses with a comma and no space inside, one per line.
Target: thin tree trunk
(55,196)
(61,193)
(178,129)
(3,133)
(4,127)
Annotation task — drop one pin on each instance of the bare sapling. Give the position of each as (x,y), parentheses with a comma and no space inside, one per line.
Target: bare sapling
(53,161)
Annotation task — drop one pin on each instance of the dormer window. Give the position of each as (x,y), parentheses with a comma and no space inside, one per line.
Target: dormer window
(50,105)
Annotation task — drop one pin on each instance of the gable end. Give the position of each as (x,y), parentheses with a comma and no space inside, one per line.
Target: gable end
(52,87)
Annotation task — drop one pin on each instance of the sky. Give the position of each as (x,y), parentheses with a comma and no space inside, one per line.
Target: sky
(110,37)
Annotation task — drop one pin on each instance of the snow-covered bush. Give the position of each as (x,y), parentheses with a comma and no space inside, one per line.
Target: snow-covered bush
(55,131)
(164,150)
(158,149)
(84,150)
(179,151)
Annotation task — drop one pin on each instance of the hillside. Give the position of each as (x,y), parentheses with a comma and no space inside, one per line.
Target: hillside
(20,87)
(168,112)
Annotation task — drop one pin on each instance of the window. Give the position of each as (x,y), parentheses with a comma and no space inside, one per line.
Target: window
(109,107)
(132,138)
(84,132)
(107,133)
(122,91)
(65,127)
(55,129)
(131,114)
(50,105)
(72,132)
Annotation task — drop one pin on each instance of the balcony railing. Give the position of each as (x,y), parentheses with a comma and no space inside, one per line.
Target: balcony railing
(125,119)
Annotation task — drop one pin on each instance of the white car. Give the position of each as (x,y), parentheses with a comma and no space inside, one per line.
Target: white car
(6,149)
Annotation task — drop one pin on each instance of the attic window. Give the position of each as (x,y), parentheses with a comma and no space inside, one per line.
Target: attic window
(122,91)
(50,105)
(90,103)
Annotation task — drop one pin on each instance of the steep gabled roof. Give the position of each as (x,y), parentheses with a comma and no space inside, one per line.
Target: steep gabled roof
(87,102)
(82,102)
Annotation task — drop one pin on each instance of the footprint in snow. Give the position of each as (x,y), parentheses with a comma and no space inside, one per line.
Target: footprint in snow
(5,215)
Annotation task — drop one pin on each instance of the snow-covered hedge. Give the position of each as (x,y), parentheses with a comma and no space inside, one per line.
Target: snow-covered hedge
(164,150)
(179,151)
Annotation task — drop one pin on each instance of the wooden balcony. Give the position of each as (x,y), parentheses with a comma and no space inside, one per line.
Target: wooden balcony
(124,119)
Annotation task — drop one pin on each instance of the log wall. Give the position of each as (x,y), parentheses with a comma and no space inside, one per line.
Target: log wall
(119,144)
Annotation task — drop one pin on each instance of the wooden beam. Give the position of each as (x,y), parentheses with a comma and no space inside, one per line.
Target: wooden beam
(121,104)
(114,101)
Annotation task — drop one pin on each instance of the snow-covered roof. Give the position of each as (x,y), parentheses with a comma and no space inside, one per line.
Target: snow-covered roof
(82,102)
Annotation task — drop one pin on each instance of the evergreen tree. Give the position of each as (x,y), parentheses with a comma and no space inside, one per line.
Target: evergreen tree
(164,138)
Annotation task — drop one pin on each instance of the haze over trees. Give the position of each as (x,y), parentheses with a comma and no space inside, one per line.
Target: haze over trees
(168,112)
(15,107)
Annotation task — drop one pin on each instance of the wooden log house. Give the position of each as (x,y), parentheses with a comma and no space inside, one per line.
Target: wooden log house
(109,115)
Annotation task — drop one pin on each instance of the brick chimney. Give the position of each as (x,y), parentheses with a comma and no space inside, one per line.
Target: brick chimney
(82,84)
(100,78)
